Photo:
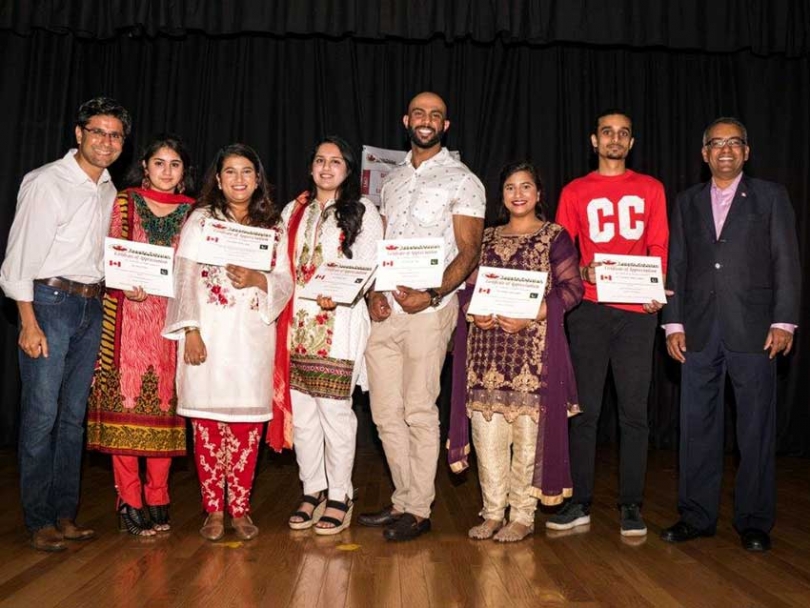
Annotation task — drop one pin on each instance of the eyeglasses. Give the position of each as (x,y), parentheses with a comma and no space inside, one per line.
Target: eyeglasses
(115,137)
(731,142)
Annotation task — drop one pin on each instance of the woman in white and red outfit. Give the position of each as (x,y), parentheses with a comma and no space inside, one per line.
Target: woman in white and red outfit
(224,318)
(131,411)
(329,222)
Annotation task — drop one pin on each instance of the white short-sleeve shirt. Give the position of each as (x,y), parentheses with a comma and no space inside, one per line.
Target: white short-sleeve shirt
(421,202)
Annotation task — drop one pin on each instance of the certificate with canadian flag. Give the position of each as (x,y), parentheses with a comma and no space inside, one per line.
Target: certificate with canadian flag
(231,243)
(343,281)
(414,263)
(129,265)
(508,293)
(629,279)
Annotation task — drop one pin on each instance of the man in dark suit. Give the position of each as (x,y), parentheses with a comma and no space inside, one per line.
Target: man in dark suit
(735,277)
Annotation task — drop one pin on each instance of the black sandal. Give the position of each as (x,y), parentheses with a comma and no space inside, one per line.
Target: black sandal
(159,514)
(133,520)
(308,520)
(338,525)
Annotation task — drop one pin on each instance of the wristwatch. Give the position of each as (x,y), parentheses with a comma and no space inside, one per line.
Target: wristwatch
(435,297)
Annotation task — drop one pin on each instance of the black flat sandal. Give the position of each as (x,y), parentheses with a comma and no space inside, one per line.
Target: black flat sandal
(133,520)
(159,514)
(307,520)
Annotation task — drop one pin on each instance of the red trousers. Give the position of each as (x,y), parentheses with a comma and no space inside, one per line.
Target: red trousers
(225,454)
(128,480)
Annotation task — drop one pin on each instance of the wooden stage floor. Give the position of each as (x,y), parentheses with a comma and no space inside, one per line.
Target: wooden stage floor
(596,567)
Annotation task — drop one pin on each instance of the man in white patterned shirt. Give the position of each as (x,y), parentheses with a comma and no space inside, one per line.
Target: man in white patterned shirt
(54,269)
(429,195)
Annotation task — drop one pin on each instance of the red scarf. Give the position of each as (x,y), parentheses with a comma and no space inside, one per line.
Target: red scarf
(169,198)
(280,429)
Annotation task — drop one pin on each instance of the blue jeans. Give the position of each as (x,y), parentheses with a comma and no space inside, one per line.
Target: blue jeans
(54,400)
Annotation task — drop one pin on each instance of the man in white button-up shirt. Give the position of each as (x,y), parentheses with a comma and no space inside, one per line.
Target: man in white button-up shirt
(429,195)
(54,269)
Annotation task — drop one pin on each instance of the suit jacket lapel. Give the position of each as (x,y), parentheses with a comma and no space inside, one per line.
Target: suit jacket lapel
(704,209)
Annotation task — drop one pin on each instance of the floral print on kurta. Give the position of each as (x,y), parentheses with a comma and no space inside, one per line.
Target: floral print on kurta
(326,347)
(237,326)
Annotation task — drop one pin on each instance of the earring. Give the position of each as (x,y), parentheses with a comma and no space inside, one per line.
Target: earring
(145,183)
(181,187)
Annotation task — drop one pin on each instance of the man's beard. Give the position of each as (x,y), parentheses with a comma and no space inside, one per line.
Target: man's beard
(437,137)
(616,152)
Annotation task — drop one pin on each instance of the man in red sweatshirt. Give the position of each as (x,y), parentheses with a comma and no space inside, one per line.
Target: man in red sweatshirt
(618,211)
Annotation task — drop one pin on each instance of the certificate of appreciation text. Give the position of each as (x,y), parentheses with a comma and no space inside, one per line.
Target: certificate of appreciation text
(342,281)
(629,279)
(414,263)
(508,293)
(231,243)
(129,264)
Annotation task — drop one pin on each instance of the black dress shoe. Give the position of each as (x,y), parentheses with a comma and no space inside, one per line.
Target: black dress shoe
(683,531)
(755,540)
(406,528)
(385,517)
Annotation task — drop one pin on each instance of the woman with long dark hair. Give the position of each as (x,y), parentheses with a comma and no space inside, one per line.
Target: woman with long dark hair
(329,222)
(224,318)
(131,411)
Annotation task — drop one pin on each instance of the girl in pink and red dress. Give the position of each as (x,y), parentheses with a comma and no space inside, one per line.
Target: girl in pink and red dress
(131,413)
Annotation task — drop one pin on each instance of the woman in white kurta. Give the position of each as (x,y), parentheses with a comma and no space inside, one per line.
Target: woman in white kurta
(326,342)
(224,318)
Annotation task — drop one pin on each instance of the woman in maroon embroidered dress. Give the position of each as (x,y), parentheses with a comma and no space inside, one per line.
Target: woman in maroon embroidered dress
(131,412)
(518,391)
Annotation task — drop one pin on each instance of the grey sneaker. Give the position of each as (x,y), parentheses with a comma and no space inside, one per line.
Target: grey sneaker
(571,515)
(632,522)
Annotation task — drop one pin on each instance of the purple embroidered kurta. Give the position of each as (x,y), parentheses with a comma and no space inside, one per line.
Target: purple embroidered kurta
(529,372)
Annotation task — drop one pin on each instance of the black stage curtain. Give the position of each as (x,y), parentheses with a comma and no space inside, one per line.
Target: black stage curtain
(506,101)
(766,26)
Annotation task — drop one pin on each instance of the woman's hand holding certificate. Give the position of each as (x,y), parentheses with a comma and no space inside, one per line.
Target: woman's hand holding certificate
(337,283)
(516,294)
(131,265)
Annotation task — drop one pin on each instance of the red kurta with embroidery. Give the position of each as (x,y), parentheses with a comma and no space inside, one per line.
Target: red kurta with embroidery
(131,410)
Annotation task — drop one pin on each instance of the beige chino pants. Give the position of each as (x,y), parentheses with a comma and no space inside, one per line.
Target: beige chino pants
(404,356)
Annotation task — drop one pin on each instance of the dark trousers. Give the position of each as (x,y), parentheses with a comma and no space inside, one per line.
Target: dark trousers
(703,381)
(602,335)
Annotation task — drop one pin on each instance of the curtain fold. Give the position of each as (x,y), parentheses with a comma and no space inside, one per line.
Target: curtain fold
(506,101)
(763,26)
